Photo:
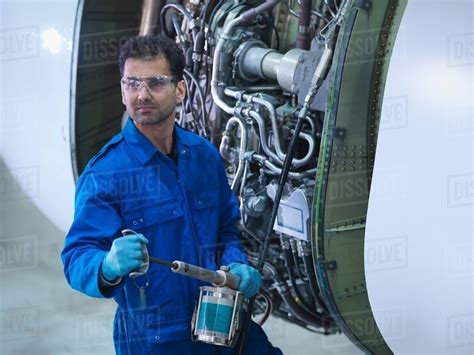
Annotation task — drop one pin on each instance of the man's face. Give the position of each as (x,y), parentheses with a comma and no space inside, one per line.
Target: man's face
(150,105)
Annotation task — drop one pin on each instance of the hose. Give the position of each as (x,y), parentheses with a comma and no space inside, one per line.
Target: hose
(269,309)
(302,38)
(285,293)
(291,273)
(307,261)
(201,98)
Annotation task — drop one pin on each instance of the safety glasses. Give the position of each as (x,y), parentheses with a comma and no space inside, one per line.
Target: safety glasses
(155,83)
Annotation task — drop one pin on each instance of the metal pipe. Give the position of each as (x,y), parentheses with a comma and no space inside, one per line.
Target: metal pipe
(243,147)
(256,88)
(329,8)
(249,15)
(312,125)
(277,171)
(263,137)
(302,38)
(150,11)
(271,109)
(318,14)
(306,159)
(215,68)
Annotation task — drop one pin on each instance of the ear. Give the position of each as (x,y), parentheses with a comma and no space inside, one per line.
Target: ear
(180,91)
(123,95)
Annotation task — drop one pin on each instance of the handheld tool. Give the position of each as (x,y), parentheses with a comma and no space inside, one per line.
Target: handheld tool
(220,278)
(217,315)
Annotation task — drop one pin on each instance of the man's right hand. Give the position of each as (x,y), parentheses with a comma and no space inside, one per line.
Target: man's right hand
(125,255)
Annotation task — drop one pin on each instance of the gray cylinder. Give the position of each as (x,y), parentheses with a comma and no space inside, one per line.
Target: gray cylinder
(290,69)
(252,60)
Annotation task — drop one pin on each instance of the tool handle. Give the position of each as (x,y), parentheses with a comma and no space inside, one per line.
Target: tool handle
(143,268)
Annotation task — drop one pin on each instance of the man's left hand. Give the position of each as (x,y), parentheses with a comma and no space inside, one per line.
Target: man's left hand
(250,278)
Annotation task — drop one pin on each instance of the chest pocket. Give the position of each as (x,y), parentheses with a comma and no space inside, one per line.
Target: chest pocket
(152,214)
(206,199)
(162,223)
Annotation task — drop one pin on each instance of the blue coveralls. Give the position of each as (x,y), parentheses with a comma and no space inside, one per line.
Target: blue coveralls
(187,212)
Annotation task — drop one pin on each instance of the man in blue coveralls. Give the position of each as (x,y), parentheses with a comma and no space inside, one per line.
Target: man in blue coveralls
(169,186)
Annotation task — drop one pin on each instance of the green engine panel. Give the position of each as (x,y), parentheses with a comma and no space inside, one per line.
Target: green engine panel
(346,162)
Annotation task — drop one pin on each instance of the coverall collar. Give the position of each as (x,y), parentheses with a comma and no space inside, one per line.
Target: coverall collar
(144,150)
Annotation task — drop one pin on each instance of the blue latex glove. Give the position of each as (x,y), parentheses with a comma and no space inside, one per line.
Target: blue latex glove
(250,278)
(125,255)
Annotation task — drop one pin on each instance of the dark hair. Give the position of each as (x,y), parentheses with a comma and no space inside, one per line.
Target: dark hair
(150,47)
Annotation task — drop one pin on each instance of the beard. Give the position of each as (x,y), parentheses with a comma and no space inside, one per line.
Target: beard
(158,115)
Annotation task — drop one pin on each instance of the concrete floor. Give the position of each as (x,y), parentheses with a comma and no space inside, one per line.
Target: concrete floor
(41,314)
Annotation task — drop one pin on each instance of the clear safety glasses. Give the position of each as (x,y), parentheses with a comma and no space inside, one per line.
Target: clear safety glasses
(156,84)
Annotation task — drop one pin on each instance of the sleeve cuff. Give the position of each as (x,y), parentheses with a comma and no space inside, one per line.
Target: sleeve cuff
(104,283)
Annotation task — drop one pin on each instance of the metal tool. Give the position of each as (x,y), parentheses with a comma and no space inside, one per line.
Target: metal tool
(219,278)
(217,315)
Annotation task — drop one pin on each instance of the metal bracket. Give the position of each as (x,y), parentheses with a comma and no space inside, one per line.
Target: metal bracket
(347,225)
(339,133)
(363,4)
(353,290)
(330,265)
